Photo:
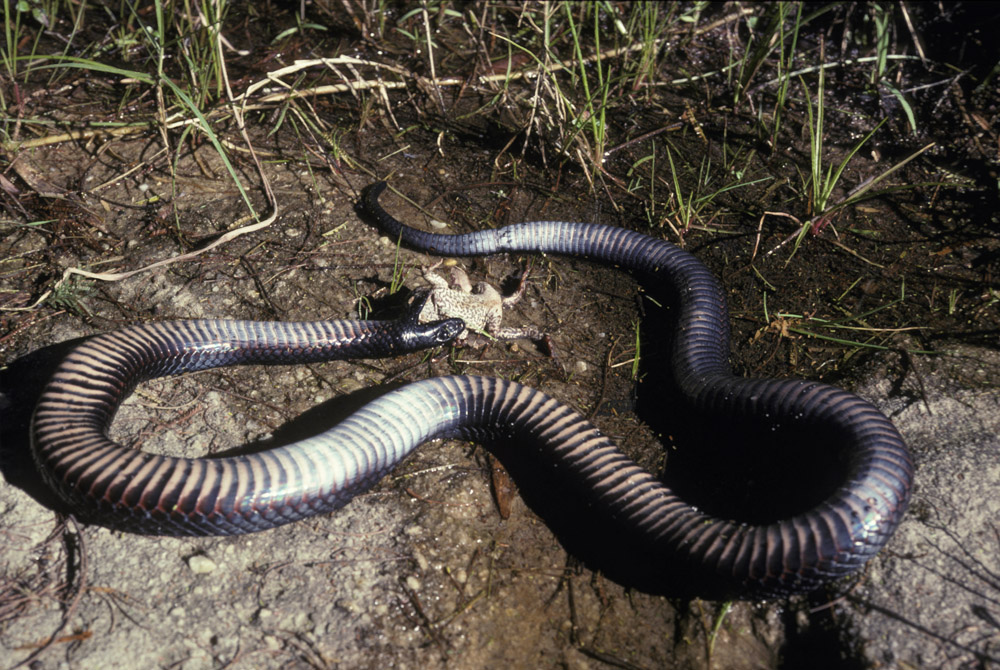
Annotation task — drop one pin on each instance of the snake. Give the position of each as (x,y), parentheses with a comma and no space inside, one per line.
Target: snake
(797,552)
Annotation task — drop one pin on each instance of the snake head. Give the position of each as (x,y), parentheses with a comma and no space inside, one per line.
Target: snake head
(419,335)
(446,330)
(424,335)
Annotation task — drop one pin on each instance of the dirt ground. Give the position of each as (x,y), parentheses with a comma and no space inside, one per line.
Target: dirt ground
(423,571)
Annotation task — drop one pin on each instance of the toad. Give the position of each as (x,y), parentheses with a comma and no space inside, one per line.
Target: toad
(481,307)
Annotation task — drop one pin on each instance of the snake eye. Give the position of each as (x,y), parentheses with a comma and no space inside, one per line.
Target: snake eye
(449,330)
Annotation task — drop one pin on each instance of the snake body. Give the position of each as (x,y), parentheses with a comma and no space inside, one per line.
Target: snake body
(134,490)
(830,539)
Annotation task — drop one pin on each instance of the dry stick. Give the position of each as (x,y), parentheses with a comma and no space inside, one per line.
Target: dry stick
(134,168)
(844,247)
(913,33)
(172,122)
(760,227)
(274,78)
(677,125)
(729,18)
(72,135)
(813,68)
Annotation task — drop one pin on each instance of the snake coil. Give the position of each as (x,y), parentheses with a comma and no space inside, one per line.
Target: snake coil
(158,494)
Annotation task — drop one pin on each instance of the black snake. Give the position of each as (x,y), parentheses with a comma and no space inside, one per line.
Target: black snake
(158,494)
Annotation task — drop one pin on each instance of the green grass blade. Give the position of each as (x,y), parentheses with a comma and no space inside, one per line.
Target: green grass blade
(214,139)
(94,66)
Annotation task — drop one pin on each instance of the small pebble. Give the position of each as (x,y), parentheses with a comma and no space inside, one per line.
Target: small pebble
(201,565)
